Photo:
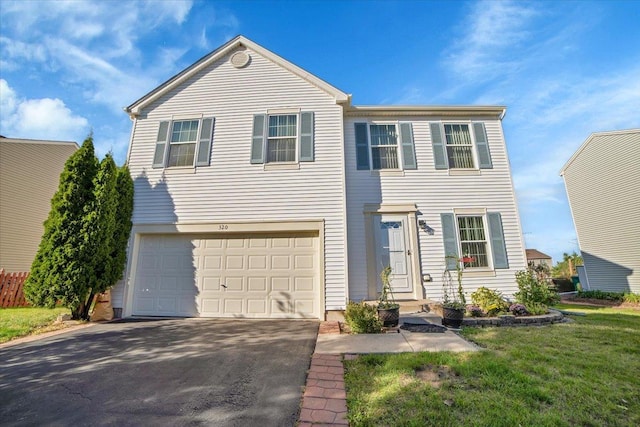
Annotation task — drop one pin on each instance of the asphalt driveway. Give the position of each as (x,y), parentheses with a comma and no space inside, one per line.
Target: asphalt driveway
(163,372)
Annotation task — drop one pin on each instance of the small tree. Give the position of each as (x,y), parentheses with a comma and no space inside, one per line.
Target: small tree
(567,267)
(63,263)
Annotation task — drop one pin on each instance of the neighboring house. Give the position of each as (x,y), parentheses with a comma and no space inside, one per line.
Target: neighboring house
(602,180)
(260,191)
(29,176)
(535,258)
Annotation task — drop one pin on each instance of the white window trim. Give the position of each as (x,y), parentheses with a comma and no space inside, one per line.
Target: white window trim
(485,225)
(474,150)
(265,148)
(400,158)
(167,151)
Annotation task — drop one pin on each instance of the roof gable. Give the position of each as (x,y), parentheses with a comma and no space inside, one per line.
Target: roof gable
(135,108)
(593,137)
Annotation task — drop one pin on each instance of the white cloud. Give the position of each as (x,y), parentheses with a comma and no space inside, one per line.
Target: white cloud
(490,32)
(43,118)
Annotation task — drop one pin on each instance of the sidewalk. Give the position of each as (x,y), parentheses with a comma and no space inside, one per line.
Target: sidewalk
(324,401)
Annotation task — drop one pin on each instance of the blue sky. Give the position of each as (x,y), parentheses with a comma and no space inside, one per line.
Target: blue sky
(563,69)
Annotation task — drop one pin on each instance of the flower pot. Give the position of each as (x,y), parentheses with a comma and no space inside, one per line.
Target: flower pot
(452,317)
(389,316)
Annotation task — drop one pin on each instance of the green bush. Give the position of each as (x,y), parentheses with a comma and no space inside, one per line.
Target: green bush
(536,308)
(490,301)
(362,318)
(631,298)
(533,290)
(598,294)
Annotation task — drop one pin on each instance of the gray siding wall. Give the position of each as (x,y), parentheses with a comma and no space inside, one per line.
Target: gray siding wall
(29,176)
(233,189)
(603,186)
(434,192)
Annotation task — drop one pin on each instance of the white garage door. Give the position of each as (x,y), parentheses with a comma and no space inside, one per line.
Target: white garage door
(244,276)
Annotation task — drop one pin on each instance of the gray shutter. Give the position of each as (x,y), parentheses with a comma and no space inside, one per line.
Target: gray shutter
(161,145)
(408,148)
(482,146)
(257,142)
(306,137)
(362,146)
(204,147)
(449,238)
(496,234)
(439,149)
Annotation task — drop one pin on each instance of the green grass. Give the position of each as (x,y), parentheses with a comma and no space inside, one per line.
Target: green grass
(583,373)
(20,321)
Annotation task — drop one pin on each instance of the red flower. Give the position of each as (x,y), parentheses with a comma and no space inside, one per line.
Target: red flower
(467,259)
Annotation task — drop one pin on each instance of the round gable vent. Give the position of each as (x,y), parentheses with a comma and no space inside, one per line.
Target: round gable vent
(240,59)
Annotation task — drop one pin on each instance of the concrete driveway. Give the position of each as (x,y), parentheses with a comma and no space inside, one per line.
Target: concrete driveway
(162,372)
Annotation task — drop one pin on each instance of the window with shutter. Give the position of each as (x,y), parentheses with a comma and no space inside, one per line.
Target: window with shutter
(460,146)
(388,146)
(283,138)
(179,141)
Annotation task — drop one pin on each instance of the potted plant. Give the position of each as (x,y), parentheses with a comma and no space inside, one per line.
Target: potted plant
(388,309)
(454,304)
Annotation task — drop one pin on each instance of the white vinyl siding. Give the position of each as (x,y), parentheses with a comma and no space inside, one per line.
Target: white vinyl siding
(603,187)
(232,189)
(490,190)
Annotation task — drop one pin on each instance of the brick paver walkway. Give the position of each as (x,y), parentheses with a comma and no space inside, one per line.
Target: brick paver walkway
(324,402)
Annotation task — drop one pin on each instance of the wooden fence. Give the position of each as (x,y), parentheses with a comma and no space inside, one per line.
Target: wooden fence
(11,294)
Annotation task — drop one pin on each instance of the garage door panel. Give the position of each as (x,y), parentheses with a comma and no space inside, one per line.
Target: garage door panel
(265,276)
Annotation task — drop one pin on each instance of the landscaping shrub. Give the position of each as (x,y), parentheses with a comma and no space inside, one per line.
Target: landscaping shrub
(533,290)
(518,309)
(490,301)
(362,318)
(563,284)
(631,298)
(597,294)
(536,308)
(474,311)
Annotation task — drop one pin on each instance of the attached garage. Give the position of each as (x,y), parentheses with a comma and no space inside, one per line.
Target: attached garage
(276,275)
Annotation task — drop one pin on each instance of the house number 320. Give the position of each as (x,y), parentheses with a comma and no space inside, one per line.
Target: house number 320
(223,227)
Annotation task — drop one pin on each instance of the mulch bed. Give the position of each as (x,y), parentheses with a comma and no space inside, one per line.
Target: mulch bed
(428,328)
(600,303)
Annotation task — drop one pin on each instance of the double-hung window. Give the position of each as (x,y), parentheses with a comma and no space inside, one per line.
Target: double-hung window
(474,239)
(384,146)
(460,146)
(283,138)
(184,143)
(381,146)
(283,135)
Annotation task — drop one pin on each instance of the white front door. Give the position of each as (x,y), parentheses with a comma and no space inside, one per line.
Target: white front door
(391,250)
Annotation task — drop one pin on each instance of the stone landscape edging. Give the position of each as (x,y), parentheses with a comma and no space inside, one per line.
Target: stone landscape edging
(553,316)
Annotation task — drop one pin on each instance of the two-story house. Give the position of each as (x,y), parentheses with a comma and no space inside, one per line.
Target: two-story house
(260,191)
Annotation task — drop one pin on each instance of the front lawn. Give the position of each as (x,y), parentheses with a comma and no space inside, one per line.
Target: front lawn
(20,321)
(579,373)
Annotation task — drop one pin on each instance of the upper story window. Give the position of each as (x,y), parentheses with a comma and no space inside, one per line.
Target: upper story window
(182,145)
(283,135)
(283,138)
(188,143)
(460,146)
(384,146)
